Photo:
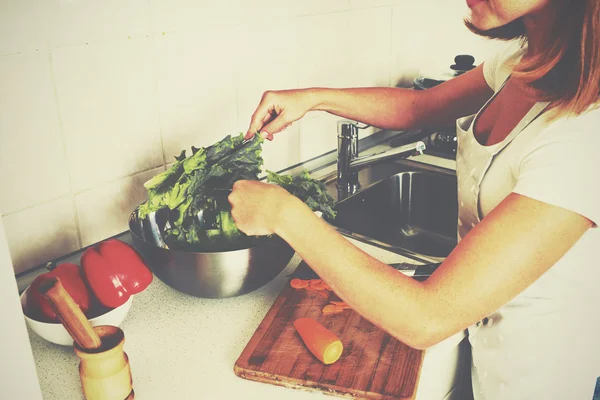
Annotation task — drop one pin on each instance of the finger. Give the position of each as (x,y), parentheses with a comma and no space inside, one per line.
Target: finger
(275,126)
(257,121)
(237,185)
(271,115)
(266,135)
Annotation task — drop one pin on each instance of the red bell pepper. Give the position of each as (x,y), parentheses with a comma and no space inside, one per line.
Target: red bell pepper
(70,275)
(114,271)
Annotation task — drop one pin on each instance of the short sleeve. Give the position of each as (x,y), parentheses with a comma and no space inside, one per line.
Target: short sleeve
(489,71)
(562,168)
(497,68)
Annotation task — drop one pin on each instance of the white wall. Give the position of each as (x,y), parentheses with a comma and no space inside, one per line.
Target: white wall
(98,96)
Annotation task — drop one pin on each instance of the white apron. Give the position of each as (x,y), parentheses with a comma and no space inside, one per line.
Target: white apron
(472,162)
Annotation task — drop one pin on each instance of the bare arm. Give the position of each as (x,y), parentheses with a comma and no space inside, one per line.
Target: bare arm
(512,247)
(382,107)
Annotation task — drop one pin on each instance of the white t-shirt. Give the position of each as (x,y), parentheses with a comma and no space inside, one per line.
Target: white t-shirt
(545,343)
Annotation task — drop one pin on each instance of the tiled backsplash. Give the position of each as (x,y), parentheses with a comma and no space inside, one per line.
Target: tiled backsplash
(97,97)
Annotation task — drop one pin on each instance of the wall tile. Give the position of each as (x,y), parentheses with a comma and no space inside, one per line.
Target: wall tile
(33,164)
(41,233)
(104,211)
(194,15)
(350,49)
(312,7)
(318,134)
(108,100)
(345,49)
(284,150)
(197,89)
(269,58)
(428,50)
(86,21)
(273,67)
(23,25)
(172,16)
(370,3)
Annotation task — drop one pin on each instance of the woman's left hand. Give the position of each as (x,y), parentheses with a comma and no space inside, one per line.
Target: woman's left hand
(257,207)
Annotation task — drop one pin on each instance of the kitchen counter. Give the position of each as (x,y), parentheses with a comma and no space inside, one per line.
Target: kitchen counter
(185,347)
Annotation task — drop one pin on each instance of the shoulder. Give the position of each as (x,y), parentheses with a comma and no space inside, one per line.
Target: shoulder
(560,166)
(497,68)
(582,129)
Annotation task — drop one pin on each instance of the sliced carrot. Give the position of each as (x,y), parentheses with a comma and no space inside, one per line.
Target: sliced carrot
(298,283)
(331,309)
(322,343)
(338,303)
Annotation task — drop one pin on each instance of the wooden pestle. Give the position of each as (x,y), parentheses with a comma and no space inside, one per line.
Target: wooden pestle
(71,316)
(104,367)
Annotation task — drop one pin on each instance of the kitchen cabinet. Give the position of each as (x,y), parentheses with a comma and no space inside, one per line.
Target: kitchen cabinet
(18,377)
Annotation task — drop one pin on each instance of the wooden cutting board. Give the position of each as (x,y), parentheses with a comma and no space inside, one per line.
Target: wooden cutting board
(373,364)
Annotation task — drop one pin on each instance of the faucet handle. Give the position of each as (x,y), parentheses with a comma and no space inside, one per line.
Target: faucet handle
(342,123)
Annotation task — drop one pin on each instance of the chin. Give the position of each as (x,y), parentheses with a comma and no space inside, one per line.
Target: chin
(485,21)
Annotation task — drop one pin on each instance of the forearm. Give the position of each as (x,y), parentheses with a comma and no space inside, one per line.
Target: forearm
(396,303)
(404,109)
(382,107)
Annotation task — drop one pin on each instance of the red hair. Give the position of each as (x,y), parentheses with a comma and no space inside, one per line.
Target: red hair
(567,71)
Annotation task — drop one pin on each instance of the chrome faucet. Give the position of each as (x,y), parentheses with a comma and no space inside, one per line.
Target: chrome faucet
(348,161)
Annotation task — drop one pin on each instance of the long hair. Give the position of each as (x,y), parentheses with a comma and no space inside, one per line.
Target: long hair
(567,71)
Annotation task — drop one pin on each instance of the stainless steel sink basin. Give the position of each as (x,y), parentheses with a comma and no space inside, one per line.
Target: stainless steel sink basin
(412,212)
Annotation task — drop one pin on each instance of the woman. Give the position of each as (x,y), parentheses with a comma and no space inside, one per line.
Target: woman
(522,278)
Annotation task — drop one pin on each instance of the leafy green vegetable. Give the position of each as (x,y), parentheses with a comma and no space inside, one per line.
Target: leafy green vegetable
(307,189)
(191,184)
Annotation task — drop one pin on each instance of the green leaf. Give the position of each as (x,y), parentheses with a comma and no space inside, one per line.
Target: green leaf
(311,191)
(165,179)
(228,227)
(189,186)
(195,162)
(223,148)
(176,196)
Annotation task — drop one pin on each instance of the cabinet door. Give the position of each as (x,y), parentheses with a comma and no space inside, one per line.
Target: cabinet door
(18,376)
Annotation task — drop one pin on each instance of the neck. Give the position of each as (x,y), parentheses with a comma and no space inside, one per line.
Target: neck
(538,26)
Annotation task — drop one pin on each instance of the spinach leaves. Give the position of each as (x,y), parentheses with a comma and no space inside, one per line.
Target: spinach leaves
(191,187)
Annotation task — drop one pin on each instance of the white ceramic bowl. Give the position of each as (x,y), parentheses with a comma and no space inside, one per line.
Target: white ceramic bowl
(55,332)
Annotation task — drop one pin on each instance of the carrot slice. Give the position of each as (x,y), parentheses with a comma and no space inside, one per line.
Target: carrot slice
(298,283)
(322,343)
(331,309)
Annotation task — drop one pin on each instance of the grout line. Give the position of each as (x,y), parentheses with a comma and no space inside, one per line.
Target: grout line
(158,110)
(111,181)
(391,51)
(64,145)
(12,212)
(73,194)
(16,53)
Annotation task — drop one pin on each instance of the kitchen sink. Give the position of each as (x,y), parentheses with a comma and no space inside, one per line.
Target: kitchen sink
(413,211)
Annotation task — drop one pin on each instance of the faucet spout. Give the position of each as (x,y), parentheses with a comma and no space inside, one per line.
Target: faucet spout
(408,150)
(348,161)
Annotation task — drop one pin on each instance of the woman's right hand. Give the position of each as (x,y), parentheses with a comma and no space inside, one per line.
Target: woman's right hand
(279,109)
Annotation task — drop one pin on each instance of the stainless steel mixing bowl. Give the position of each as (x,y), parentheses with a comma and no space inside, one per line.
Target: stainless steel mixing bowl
(212,274)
